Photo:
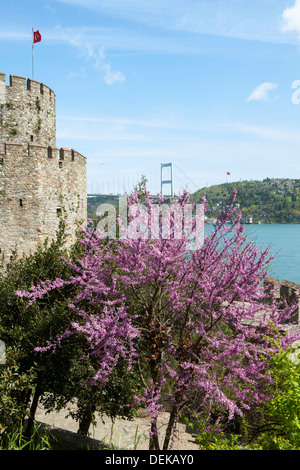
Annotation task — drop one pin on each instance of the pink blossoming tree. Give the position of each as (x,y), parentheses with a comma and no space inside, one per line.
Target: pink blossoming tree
(193,322)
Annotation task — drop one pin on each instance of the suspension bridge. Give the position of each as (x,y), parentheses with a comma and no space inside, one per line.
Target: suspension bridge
(167,179)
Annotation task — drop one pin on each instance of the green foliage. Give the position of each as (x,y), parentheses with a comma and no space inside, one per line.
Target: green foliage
(141,187)
(24,327)
(274,425)
(284,408)
(54,379)
(14,387)
(94,202)
(17,441)
(218,441)
(212,436)
(113,400)
(267,201)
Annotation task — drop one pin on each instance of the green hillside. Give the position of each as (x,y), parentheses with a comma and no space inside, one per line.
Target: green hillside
(270,201)
(94,202)
(273,200)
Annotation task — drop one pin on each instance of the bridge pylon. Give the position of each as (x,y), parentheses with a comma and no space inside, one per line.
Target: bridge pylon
(168,181)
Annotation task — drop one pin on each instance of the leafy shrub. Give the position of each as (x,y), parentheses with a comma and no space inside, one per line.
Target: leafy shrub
(14,387)
(283,408)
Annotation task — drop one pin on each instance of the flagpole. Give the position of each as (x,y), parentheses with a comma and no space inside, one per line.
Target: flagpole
(32,56)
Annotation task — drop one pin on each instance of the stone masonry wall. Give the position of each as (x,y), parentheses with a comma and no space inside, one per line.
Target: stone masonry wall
(285,292)
(35,187)
(38,181)
(27,111)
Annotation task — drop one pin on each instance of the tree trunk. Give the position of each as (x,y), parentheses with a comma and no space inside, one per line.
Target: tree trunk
(154,443)
(155,344)
(33,408)
(85,422)
(170,427)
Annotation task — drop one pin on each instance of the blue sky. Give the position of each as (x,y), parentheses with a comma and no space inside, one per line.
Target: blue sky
(206,84)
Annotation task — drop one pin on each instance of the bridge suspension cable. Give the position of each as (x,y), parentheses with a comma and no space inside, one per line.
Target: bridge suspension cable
(155,180)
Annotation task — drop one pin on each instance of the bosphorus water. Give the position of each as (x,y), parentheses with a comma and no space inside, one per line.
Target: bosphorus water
(283,239)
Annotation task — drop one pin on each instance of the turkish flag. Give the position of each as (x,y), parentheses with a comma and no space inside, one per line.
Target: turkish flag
(36,36)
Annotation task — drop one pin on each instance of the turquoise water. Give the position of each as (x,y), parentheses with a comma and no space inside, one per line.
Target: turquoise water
(284,239)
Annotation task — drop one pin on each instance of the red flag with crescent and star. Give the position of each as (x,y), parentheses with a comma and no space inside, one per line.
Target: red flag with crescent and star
(37,36)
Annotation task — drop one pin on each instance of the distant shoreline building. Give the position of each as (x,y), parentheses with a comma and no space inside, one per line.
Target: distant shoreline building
(37,180)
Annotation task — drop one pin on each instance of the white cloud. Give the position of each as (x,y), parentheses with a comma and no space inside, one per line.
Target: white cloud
(291,18)
(261,93)
(97,57)
(227,18)
(99,62)
(110,76)
(49,9)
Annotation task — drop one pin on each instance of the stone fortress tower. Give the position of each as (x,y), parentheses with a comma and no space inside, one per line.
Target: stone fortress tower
(38,181)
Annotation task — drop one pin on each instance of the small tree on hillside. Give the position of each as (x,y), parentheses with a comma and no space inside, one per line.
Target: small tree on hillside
(193,323)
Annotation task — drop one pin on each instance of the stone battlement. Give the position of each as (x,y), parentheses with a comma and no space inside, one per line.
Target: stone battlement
(17,83)
(18,149)
(38,180)
(27,111)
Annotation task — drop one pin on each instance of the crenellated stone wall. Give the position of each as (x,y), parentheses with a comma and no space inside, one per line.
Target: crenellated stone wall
(27,111)
(38,181)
